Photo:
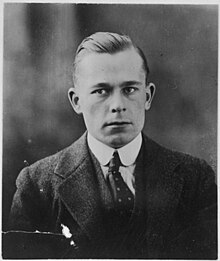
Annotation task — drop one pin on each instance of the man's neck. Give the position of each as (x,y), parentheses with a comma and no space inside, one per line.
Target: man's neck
(127,153)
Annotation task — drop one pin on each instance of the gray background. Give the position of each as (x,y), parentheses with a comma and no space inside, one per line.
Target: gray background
(180,42)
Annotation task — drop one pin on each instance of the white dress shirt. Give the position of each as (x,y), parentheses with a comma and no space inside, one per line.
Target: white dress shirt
(127,154)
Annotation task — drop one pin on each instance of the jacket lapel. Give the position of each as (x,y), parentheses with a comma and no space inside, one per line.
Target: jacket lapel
(79,190)
(163,189)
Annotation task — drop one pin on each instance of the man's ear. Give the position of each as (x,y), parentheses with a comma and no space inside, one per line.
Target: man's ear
(74,100)
(150,91)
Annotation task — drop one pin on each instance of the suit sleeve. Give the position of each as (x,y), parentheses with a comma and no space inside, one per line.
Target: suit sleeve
(25,210)
(199,238)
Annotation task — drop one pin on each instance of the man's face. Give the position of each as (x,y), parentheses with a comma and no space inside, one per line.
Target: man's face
(111,95)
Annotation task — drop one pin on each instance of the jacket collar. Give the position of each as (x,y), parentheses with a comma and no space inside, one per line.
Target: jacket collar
(72,157)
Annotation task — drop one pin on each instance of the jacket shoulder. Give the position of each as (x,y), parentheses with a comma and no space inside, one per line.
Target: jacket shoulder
(43,170)
(40,171)
(180,162)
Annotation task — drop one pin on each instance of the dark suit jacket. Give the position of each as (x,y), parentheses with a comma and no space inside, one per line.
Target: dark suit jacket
(180,203)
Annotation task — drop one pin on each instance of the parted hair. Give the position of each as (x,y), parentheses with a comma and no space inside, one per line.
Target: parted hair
(106,42)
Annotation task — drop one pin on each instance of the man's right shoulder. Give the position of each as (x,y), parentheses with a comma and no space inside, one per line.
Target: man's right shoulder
(45,168)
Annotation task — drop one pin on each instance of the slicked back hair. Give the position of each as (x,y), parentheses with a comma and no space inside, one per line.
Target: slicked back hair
(105,42)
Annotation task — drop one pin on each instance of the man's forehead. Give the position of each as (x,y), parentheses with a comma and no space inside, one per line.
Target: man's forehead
(109,70)
(126,58)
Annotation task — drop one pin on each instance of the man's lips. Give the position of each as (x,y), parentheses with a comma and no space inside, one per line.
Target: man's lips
(117,123)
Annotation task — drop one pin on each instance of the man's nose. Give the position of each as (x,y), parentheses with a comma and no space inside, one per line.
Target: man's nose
(117,103)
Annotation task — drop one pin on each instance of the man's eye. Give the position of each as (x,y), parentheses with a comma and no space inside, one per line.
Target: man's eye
(100,92)
(129,90)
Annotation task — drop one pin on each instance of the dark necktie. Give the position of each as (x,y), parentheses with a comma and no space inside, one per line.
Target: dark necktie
(124,199)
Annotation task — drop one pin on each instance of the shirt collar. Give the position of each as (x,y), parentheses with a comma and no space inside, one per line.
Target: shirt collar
(127,153)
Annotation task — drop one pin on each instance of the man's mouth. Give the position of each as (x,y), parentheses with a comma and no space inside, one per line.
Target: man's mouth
(117,123)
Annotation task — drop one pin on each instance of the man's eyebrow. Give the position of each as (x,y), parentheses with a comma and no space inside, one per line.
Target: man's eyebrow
(123,84)
(130,83)
(101,85)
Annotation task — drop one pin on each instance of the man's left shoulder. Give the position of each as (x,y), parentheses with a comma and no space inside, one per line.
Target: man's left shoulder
(178,162)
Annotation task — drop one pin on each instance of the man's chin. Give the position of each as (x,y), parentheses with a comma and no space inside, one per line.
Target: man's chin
(118,141)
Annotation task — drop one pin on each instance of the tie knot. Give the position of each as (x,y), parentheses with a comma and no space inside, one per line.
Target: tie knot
(115,162)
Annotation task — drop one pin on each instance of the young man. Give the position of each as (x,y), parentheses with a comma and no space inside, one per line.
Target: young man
(120,194)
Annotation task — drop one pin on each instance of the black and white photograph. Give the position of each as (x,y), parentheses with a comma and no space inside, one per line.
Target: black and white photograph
(109,130)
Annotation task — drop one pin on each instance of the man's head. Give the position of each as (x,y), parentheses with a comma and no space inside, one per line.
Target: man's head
(110,87)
